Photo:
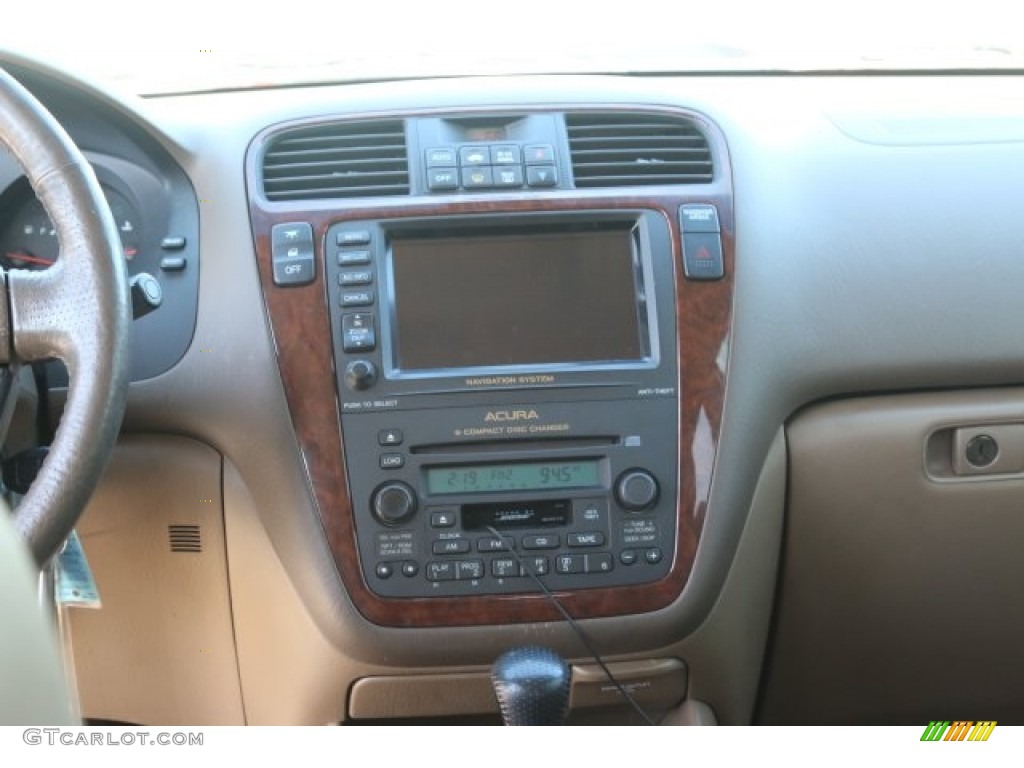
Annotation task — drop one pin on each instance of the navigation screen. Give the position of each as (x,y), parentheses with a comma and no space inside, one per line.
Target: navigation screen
(515,300)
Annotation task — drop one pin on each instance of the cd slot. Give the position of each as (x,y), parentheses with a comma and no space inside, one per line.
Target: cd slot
(525,444)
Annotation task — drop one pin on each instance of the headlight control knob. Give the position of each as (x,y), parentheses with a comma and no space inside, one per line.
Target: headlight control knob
(394,503)
(636,490)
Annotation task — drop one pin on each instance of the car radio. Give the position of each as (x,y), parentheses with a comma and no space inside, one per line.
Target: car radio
(508,394)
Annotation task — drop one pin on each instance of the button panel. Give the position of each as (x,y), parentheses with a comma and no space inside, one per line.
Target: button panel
(702,242)
(477,178)
(441,571)
(352,286)
(291,254)
(357,298)
(355,277)
(507,177)
(349,257)
(600,543)
(506,155)
(358,332)
(589,539)
(541,176)
(452,570)
(390,437)
(452,550)
(506,565)
(392,461)
(539,154)
(173,263)
(444,519)
(347,237)
(491,166)
(495,545)
(441,157)
(541,541)
(450,547)
(442,179)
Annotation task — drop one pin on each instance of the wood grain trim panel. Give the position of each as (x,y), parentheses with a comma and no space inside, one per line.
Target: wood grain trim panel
(300,324)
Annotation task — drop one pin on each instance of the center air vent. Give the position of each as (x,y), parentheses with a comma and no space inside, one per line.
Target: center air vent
(617,149)
(359,159)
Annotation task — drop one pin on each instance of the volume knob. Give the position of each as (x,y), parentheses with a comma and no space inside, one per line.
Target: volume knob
(636,490)
(394,503)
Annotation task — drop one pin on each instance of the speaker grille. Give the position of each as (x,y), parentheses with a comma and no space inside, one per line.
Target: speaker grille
(185,538)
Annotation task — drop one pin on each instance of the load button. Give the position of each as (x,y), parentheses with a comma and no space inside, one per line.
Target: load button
(392,461)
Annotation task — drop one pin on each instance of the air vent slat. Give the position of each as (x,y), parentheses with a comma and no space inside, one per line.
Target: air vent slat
(299,171)
(305,194)
(604,131)
(337,148)
(316,136)
(359,159)
(644,166)
(361,155)
(334,182)
(628,156)
(680,143)
(612,149)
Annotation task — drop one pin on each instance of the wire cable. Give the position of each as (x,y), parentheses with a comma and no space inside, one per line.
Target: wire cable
(580,633)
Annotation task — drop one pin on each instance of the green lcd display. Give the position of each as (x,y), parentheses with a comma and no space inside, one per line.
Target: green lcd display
(494,478)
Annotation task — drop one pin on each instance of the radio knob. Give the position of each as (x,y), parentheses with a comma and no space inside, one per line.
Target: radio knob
(636,490)
(394,503)
(360,374)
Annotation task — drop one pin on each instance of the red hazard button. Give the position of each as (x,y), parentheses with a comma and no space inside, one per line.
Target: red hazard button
(702,256)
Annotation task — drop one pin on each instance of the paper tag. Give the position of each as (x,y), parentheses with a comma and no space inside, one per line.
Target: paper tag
(75,585)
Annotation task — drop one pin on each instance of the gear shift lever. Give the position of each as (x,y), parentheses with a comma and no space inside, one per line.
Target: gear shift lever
(532,686)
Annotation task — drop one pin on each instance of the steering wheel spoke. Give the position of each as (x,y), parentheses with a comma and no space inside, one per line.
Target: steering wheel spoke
(35,329)
(9,393)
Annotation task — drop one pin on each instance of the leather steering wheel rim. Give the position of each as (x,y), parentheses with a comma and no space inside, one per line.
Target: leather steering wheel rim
(77,310)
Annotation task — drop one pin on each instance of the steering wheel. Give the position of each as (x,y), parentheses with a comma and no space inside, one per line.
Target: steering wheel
(77,311)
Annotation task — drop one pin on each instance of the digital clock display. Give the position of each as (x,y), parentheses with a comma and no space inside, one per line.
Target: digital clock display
(486,133)
(494,478)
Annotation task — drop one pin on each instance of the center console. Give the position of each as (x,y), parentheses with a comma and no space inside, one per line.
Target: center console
(501,393)
(505,383)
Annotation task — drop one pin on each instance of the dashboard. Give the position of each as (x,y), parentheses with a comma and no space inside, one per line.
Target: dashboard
(704,359)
